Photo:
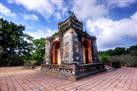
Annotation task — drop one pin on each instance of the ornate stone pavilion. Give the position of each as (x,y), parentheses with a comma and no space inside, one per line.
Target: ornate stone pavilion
(71,52)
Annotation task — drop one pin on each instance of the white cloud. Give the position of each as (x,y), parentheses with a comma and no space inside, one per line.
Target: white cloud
(86,9)
(94,9)
(58,15)
(44,7)
(5,11)
(30,17)
(134,16)
(111,34)
(41,33)
(120,3)
(58,3)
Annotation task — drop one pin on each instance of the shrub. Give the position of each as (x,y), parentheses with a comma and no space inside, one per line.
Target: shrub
(11,60)
(127,60)
(104,59)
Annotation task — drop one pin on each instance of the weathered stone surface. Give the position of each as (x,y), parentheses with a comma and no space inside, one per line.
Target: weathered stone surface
(74,44)
(73,71)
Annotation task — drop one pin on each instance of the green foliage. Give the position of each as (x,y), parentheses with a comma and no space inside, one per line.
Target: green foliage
(104,58)
(119,51)
(39,50)
(132,50)
(126,56)
(134,63)
(14,43)
(55,34)
(16,47)
(116,51)
(33,61)
(127,60)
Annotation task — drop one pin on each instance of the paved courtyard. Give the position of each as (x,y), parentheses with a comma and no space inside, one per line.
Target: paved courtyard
(19,79)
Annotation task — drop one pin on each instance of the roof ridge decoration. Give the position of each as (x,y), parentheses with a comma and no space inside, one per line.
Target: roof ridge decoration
(71,13)
(70,22)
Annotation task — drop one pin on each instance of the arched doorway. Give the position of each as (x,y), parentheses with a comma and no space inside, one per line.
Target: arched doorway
(87,52)
(56,53)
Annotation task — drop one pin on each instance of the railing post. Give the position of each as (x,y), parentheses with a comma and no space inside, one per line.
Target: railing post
(75,71)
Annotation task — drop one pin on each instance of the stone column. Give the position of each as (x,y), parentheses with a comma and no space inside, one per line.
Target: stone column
(95,53)
(80,52)
(47,52)
(61,48)
(71,47)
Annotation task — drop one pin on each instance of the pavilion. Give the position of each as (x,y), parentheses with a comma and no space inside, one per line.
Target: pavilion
(71,52)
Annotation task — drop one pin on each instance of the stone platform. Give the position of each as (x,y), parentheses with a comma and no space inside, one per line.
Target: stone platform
(19,79)
(73,71)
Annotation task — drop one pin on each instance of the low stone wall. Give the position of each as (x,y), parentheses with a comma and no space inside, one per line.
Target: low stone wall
(29,66)
(72,71)
(89,69)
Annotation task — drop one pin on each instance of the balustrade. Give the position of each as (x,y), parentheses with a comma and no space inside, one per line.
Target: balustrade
(74,70)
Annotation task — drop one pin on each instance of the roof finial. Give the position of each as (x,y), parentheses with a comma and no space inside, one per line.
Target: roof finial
(70,13)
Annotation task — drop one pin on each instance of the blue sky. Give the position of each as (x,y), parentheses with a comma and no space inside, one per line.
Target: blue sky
(114,22)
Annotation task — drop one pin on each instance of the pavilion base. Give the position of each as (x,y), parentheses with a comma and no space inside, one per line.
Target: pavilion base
(72,71)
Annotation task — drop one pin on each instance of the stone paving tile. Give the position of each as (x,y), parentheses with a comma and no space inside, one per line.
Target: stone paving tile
(19,79)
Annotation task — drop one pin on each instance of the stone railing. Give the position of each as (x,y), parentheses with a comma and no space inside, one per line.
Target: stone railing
(58,68)
(73,71)
(28,66)
(88,69)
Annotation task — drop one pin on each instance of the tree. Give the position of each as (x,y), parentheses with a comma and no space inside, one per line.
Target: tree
(14,43)
(124,59)
(39,50)
(132,50)
(119,51)
(123,55)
